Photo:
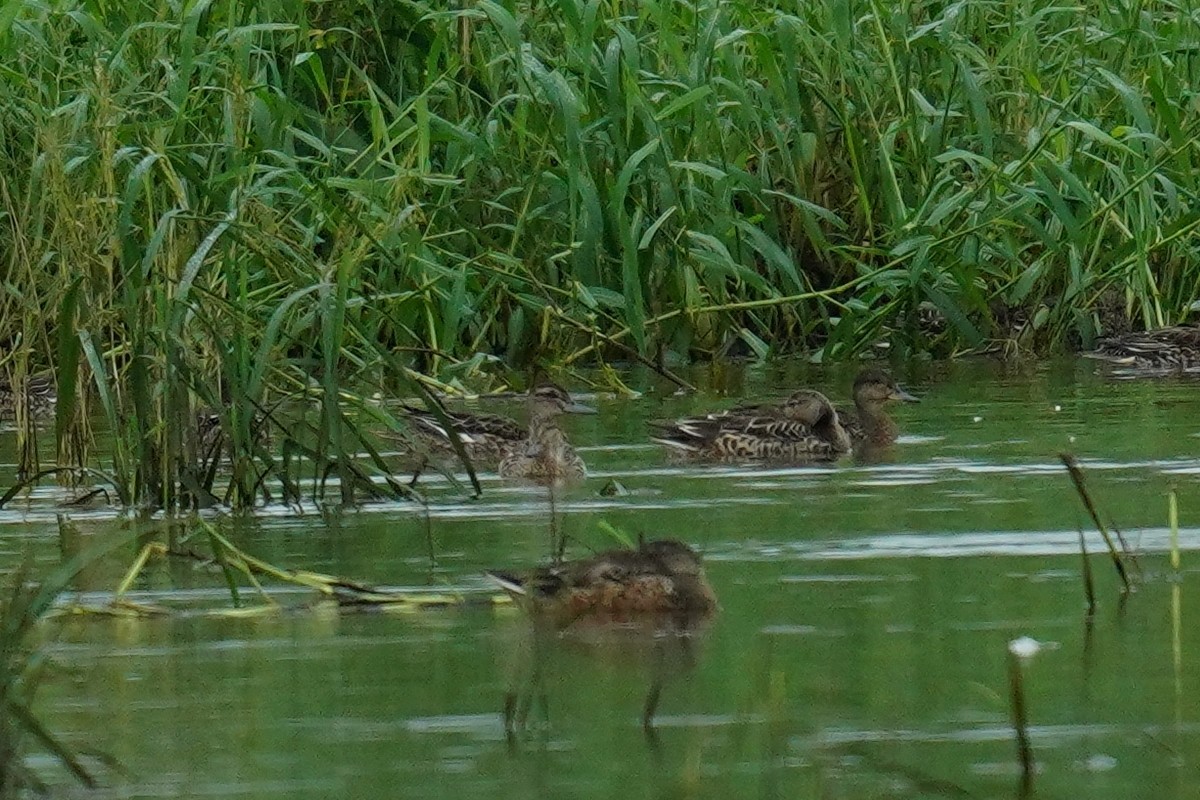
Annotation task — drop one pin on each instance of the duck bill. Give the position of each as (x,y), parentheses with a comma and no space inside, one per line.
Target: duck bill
(579,408)
(900,394)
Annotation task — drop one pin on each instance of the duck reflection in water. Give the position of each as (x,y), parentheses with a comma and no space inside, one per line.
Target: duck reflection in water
(621,605)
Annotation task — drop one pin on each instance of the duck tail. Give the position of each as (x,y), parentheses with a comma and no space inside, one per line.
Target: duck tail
(510,583)
(425,421)
(687,435)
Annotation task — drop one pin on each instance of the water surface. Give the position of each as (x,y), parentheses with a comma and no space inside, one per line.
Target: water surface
(860,650)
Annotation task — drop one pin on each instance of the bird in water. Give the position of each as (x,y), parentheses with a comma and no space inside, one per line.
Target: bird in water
(40,397)
(805,427)
(651,599)
(539,452)
(1172,348)
(869,423)
(485,438)
(545,456)
(664,577)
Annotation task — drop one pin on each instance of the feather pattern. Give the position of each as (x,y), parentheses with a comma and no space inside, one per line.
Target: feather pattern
(41,397)
(659,577)
(803,428)
(1172,348)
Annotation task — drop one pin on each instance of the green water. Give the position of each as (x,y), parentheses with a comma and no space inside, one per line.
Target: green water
(860,651)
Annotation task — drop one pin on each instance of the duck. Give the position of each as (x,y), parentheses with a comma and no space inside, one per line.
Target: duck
(485,438)
(211,438)
(805,427)
(868,423)
(544,456)
(1176,347)
(660,578)
(490,440)
(41,397)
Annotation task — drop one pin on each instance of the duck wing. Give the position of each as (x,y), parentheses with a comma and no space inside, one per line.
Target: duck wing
(469,426)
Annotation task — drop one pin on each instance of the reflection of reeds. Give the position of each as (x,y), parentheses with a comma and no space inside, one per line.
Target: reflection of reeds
(664,649)
(1089,584)
(1115,554)
(24,605)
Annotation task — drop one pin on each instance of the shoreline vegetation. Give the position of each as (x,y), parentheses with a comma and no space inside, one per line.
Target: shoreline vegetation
(242,209)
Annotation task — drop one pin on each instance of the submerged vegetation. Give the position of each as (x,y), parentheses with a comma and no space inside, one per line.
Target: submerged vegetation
(282,208)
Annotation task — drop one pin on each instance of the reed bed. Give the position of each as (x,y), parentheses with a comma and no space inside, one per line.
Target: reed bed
(271,211)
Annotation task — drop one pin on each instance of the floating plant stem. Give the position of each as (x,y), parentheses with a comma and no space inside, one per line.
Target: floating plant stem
(1076,474)
(1173,522)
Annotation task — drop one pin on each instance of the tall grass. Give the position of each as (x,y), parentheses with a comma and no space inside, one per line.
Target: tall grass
(241,205)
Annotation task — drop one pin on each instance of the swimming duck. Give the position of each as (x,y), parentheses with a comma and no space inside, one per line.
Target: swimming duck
(662,577)
(40,397)
(805,427)
(486,438)
(544,455)
(869,423)
(491,439)
(1173,348)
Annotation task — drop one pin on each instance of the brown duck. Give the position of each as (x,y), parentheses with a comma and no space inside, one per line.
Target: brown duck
(40,397)
(1173,348)
(805,427)
(540,451)
(662,577)
(868,423)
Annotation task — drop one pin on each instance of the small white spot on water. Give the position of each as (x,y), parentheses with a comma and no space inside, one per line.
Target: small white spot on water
(1098,762)
(1024,647)
(794,630)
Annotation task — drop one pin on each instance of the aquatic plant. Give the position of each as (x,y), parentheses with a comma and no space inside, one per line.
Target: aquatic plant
(1116,555)
(270,211)
(24,607)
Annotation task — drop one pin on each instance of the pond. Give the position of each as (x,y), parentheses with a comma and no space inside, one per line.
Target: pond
(860,650)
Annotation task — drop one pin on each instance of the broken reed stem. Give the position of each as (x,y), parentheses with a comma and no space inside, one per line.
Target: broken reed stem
(1016,685)
(1076,474)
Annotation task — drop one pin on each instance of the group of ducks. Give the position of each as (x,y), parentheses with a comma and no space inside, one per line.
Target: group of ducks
(664,576)
(805,427)
(667,576)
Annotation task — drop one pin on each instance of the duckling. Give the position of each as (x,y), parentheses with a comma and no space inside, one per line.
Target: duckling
(544,455)
(40,397)
(869,423)
(1173,348)
(662,577)
(805,427)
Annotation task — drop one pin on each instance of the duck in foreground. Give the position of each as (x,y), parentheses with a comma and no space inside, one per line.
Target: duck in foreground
(40,397)
(544,455)
(659,578)
(1173,348)
(869,423)
(805,427)
(490,439)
